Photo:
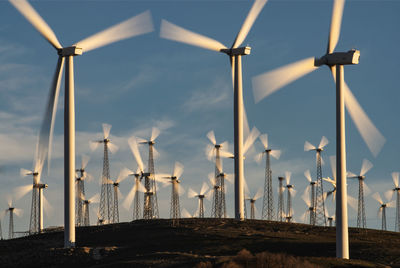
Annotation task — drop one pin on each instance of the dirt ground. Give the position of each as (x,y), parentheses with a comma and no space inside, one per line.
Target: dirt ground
(202,243)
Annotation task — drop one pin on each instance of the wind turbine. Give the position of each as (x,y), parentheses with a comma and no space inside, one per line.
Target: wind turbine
(291,192)
(383,206)
(268,198)
(310,196)
(235,53)
(266,84)
(12,210)
(123,174)
(365,167)
(319,204)
(310,209)
(86,206)
(106,196)
(395,176)
(133,194)
(281,189)
(252,201)
(82,175)
(200,195)
(177,190)
(134,26)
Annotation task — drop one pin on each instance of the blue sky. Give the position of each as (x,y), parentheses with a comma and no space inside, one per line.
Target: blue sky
(186,91)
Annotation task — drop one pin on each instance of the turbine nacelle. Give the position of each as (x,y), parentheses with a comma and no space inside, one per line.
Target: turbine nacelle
(237,51)
(281,178)
(70,51)
(339,58)
(40,185)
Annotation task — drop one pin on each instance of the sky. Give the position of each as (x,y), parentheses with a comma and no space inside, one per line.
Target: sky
(186,91)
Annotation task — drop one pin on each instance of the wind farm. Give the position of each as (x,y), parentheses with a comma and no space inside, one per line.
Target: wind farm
(163,98)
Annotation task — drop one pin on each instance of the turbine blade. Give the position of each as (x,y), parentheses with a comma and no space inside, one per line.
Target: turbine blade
(18,212)
(22,191)
(85,161)
(323,143)
(288,174)
(332,160)
(186,214)
(258,194)
(391,204)
(308,146)
(352,202)
(377,197)
(24,172)
(209,195)
(211,137)
(276,153)
(258,157)
(135,151)
(269,82)
(134,26)
(389,195)
(307,174)
(365,167)
(395,177)
(248,22)
(178,170)
(173,32)
(264,140)
(225,145)
(123,174)
(191,193)
(336,21)
(154,133)
(204,188)
(106,130)
(225,154)
(180,189)
(129,198)
(367,190)
(37,21)
(209,152)
(112,147)
(351,174)
(230,178)
(306,196)
(93,145)
(48,209)
(250,139)
(95,198)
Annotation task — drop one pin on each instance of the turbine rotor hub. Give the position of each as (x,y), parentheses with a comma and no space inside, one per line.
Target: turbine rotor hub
(70,51)
(240,51)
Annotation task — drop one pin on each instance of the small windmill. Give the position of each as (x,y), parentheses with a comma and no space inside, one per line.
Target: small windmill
(12,210)
(383,206)
(310,211)
(252,201)
(268,198)
(133,194)
(281,204)
(395,176)
(310,191)
(319,203)
(200,195)
(177,190)
(86,209)
(81,176)
(362,188)
(123,174)
(291,192)
(330,219)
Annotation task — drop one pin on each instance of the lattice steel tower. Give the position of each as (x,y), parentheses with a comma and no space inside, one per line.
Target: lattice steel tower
(85,208)
(136,201)
(289,209)
(80,190)
(36,220)
(281,211)
(320,217)
(311,190)
(200,196)
(215,207)
(396,189)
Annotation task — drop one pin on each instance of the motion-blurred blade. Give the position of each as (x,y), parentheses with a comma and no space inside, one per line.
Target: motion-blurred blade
(306,196)
(307,174)
(293,192)
(156,154)
(367,190)
(209,195)
(229,178)
(46,130)
(95,198)
(308,146)
(211,137)
(180,189)
(135,151)
(48,209)
(333,182)
(106,130)
(134,26)
(37,21)
(186,214)
(93,145)
(288,174)
(351,174)
(123,174)
(258,157)
(269,82)
(204,188)
(129,198)
(391,204)
(332,160)
(377,197)
(248,22)
(112,147)
(352,202)
(389,195)
(365,167)
(85,161)
(178,170)
(225,145)
(395,177)
(191,193)
(264,140)
(173,32)
(323,143)
(22,191)
(120,195)
(212,179)
(250,139)
(276,153)
(258,194)
(225,154)
(18,212)
(24,172)
(336,21)
(154,133)
(210,152)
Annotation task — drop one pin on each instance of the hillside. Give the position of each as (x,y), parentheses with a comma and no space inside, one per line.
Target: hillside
(202,242)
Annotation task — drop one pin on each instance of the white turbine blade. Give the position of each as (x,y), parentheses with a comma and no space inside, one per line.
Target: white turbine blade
(18,212)
(48,209)
(303,216)
(332,160)
(351,174)
(129,198)
(245,187)
(365,167)
(123,174)
(106,130)
(180,189)
(388,195)
(209,195)
(22,190)
(135,151)
(212,179)
(276,153)
(250,139)
(95,198)
(37,21)
(85,161)
(248,22)
(225,145)
(230,178)
(154,133)
(306,196)
(24,172)
(370,134)
(391,204)
(330,181)
(173,32)
(88,176)
(46,129)
(377,197)
(141,188)
(156,154)
(367,190)
(258,157)
(120,195)
(225,154)
(308,146)
(186,214)
(209,152)
(288,174)
(112,147)
(191,193)
(352,202)
(134,26)
(395,177)
(307,174)
(264,140)
(94,145)
(336,21)
(269,82)
(293,192)
(211,137)
(204,188)
(178,170)
(9,201)
(258,194)
(323,143)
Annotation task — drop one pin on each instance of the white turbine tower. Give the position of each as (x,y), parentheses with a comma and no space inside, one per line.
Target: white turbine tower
(132,27)
(200,195)
(270,82)
(235,53)
(383,206)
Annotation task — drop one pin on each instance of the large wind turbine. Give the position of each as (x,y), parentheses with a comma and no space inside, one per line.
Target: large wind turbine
(235,53)
(266,84)
(134,26)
